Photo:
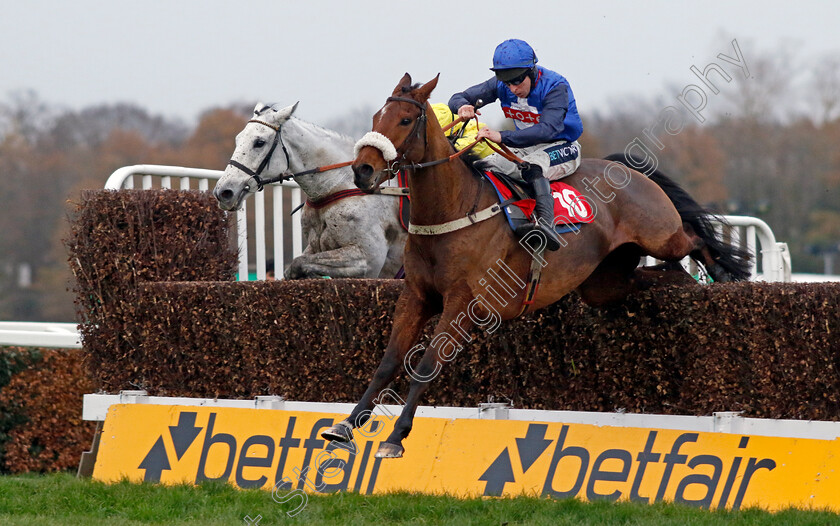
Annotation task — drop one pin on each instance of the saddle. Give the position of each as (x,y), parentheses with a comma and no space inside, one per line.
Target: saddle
(571,209)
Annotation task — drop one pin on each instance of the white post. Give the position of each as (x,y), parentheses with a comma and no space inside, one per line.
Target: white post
(259,232)
(277,221)
(728,422)
(752,248)
(297,234)
(494,411)
(242,231)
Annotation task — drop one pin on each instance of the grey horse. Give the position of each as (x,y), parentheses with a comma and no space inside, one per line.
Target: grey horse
(354,237)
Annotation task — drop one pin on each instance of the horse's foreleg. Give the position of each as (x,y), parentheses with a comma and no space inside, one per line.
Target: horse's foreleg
(410,317)
(446,343)
(349,261)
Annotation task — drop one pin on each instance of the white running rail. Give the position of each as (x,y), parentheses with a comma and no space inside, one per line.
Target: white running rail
(95,408)
(775,256)
(124,178)
(40,334)
(771,261)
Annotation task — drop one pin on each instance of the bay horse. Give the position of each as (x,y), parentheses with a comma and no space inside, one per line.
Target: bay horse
(446,273)
(347,234)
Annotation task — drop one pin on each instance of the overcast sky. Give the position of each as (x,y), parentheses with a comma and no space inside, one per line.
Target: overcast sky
(177,58)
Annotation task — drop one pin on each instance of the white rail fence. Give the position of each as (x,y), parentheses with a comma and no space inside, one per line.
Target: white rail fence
(96,406)
(771,261)
(159,176)
(40,334)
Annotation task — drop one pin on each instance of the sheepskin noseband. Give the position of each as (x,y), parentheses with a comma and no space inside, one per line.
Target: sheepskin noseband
(378,141)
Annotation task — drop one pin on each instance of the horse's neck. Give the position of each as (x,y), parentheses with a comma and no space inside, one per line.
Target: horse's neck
(311,146)
(443,192)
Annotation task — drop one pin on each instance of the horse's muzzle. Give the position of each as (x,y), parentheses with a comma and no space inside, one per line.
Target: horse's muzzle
(364,177)
(227,198)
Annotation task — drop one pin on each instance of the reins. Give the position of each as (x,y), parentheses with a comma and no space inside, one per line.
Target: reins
(393,168)
(419,124)
(317,170)
(473,217)
(501,149)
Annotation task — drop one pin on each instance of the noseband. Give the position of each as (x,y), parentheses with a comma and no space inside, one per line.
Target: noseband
(255,175)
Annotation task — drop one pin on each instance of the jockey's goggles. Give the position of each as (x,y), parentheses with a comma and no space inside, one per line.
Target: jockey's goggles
(516,81)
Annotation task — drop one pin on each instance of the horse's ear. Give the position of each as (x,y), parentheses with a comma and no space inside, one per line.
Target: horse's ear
(425,91)
(404,83)
(259,108)
(283,114)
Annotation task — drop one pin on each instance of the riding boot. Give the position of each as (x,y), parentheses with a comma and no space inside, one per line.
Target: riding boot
(544,209)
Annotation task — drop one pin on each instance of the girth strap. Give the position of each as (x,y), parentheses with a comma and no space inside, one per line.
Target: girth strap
(352,192)
(332,198)
(457,224)
(533,284)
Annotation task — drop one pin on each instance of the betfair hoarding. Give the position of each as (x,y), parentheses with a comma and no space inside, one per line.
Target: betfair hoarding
(283,450)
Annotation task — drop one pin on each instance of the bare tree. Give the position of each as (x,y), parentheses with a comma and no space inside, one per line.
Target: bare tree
(766,94)
(825,84)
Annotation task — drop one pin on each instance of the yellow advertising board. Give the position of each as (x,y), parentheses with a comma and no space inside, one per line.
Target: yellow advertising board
(283,450)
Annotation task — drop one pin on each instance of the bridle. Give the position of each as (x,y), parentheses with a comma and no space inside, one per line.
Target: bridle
(255,174)
(419,127)
(400,162)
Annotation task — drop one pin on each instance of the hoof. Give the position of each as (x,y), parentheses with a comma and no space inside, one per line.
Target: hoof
(340,432)
(388,450)
(719,274)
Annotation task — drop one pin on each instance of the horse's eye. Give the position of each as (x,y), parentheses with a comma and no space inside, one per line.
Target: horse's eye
(259,143)
(405,122)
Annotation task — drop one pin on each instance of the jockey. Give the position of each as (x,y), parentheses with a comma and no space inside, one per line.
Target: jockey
(543,109)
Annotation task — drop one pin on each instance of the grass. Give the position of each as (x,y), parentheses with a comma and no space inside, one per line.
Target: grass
(61,499)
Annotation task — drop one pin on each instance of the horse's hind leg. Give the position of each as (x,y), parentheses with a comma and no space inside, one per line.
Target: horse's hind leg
(612,280)
(411,314)
(686,242)
(673,246)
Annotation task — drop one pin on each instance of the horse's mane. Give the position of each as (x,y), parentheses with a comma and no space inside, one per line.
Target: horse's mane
(326,131)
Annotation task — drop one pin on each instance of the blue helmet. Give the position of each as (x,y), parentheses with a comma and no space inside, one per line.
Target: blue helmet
(513,54)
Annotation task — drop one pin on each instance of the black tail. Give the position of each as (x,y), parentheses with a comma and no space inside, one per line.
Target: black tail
(734,260)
